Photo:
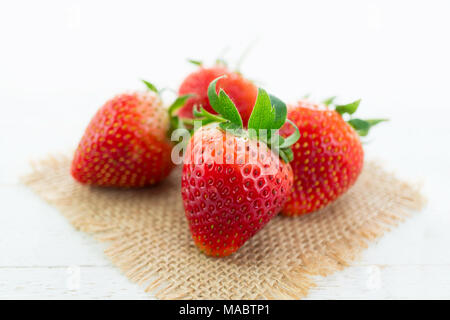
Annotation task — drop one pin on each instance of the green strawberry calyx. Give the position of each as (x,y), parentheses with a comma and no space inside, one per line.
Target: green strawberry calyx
(268,116)
(361,126)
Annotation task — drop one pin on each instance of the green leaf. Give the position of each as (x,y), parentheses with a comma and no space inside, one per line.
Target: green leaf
(329,100)
(281,140)
(286,154)
(234,128)
(223,105)
(190,122)
(202,113)
(280,111)
(263,113)
(175,121)
(178,103)
(198,113)
(212,94)
(361,126)
(293,138)
(150,86)
(195,62)
(348,108)
(268,113)
(373,122)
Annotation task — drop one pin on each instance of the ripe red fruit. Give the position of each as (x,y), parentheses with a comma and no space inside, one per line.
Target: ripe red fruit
(240,90)
(226,204)
(228,193)
(328,157)
(126,143)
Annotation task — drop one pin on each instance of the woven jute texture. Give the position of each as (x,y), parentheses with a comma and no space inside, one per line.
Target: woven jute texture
(149,239)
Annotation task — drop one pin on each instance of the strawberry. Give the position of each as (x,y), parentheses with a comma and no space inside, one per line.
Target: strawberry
(240,90)
(126,144)
(328,157)
(233,180)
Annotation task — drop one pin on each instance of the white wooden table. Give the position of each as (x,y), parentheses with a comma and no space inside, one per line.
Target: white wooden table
(60,61)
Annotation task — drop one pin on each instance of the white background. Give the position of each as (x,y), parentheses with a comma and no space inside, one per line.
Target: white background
(60,60)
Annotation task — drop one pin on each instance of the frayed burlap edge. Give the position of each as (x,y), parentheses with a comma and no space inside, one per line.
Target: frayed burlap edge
(291,283)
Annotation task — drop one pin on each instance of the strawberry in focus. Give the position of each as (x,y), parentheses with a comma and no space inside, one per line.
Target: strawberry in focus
(126,143)
(228,193)
(240,90)
(328,157)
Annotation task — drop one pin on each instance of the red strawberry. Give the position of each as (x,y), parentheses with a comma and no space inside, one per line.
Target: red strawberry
(240,90)
(126,144)
(229,192)
(328,157)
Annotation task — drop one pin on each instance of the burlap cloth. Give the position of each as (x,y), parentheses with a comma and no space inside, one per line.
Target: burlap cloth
(149,239)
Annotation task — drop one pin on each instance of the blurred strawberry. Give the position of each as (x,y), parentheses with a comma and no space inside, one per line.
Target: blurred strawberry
(240,90)
(127,144)
(328,157)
